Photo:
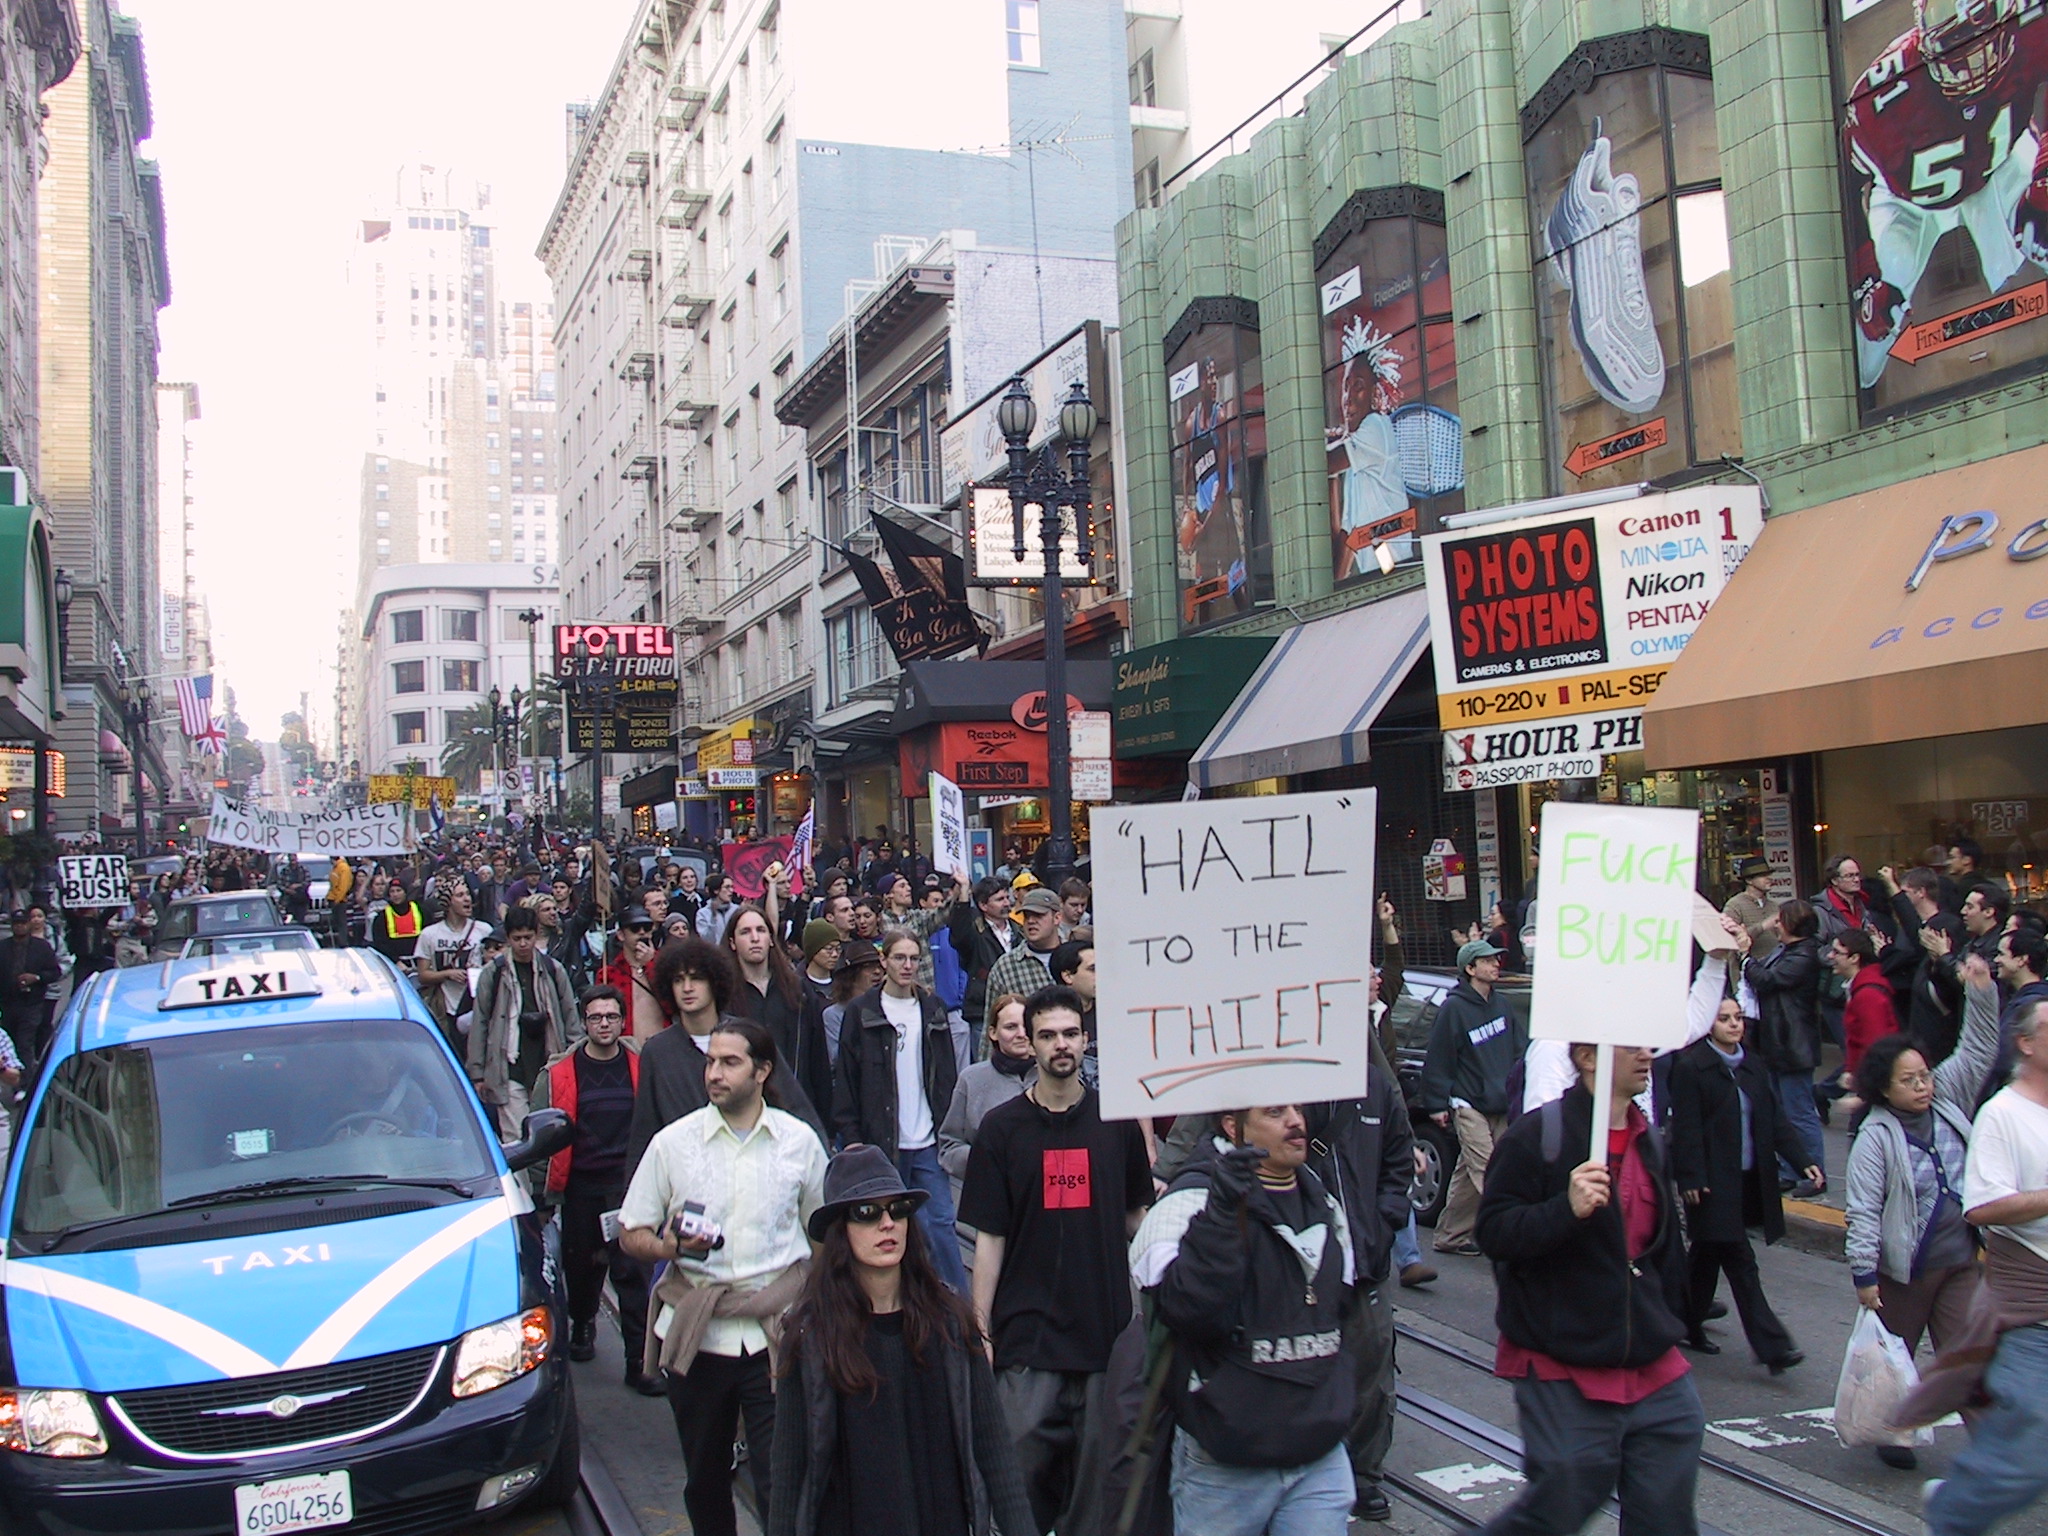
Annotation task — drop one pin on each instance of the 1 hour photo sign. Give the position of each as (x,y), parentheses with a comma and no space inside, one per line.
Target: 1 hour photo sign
(1231,958)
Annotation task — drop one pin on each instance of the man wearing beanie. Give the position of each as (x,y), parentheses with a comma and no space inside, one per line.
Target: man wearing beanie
(1753,906)
(1473,1045)
(813,1046)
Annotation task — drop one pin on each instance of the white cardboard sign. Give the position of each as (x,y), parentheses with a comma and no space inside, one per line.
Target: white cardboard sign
(949,828)
(1614,924)
(1230,951)
(93,879)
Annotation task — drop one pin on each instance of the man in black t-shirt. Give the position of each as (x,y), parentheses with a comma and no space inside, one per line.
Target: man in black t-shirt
(1055,1193)
(594,1083)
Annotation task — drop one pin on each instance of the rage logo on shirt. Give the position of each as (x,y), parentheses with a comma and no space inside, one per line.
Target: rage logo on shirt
(1066,1179)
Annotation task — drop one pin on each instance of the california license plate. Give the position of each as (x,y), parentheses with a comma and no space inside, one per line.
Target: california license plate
(310,1502)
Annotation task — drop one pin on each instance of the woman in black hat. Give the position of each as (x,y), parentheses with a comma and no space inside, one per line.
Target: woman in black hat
(886,1419)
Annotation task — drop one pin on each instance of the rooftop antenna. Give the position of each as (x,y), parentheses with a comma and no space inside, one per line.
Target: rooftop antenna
(1057,138)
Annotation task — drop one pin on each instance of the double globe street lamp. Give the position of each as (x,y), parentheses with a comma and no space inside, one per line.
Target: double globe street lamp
(1041,484)
(504,739)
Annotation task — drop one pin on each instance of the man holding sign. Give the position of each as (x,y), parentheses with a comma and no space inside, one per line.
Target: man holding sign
(1580,1214)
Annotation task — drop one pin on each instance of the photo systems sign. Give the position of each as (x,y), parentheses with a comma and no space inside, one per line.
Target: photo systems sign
(1550,633)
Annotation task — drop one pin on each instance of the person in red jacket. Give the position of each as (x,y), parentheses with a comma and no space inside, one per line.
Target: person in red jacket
(1867,1015)
(594,1085)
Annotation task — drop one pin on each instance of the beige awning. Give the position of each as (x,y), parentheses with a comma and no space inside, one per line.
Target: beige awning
(1817,642)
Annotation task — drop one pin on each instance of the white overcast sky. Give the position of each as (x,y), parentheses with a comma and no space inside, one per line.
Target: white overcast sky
(277,127)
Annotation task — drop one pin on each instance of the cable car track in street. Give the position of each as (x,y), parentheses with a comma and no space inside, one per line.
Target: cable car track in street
(1481,1435)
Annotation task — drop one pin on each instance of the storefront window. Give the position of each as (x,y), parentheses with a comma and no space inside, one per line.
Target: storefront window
(1736,808)
(1390,380)
(1217,403)
(1904,803)
(1945,253)
(1633,289)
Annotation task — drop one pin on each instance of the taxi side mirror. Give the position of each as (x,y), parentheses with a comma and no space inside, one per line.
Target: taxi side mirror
(541,1135)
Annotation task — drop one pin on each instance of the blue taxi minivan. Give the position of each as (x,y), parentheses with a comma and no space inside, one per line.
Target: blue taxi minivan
(268,1269)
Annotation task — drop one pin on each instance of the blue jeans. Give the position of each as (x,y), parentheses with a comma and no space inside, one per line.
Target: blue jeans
(2005,1467)
(921,1170)
(1407,1247)
(1219,1500)
(1795,1102)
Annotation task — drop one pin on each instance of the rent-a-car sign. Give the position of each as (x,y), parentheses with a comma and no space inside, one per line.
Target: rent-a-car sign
(1551,632)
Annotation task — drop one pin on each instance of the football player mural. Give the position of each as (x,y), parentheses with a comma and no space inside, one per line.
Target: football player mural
(1396,446)
(1948,190)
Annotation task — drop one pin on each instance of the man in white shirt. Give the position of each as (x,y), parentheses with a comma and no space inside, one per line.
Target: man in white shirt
(442,960)
(755,1175)
(2005,1192)
(893,1083)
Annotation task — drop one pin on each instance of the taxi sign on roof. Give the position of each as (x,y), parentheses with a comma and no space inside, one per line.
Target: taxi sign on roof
(243,983)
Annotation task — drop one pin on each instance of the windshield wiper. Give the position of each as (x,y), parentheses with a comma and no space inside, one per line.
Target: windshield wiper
(264,1188)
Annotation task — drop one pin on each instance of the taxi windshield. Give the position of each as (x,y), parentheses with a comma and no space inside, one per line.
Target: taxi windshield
(129,1130)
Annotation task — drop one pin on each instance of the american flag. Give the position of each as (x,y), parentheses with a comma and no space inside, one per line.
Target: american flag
(195,703)
(800,848)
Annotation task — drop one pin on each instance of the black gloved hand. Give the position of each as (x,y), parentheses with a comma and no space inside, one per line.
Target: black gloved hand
(1237,1173)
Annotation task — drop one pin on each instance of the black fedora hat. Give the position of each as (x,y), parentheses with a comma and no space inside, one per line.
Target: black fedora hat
(859,1174)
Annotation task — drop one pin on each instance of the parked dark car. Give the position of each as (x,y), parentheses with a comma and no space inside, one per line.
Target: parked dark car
(1414,1012)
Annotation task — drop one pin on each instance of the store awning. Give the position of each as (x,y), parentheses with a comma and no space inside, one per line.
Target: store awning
(930,691)
(1818,642)
(650,788)
(1316,695)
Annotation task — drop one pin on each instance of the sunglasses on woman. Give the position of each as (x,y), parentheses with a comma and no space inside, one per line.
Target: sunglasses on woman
(868,1212)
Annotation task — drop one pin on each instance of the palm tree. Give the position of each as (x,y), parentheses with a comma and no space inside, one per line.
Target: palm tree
(468,752)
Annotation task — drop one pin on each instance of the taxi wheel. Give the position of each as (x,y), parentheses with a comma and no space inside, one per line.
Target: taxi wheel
(566,1475)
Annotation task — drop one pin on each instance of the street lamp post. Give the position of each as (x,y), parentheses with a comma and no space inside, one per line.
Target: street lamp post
(1052,491)
(135,719)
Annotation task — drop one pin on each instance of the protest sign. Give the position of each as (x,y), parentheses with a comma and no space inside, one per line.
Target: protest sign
(1230,952)
(359,829)
(93,879)
(949,827)
(1614,929)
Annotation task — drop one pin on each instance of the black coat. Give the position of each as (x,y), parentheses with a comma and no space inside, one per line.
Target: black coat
(28,968)
(979,948)
(1364,1153)
(1787,985)
(864,1078)
(1706,1144)
(1567,1287)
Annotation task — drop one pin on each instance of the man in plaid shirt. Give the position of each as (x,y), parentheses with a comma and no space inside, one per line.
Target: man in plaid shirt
(1027,967)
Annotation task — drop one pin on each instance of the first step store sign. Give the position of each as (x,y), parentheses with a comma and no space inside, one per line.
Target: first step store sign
(1550,633)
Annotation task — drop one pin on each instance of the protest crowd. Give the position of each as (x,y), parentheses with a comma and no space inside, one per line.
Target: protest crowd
(876,1243)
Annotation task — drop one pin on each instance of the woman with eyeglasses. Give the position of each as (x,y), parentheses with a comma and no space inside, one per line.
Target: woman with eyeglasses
(886,1418)
(1913,1256)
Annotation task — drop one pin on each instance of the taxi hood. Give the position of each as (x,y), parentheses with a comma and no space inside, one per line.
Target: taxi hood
(130,1318)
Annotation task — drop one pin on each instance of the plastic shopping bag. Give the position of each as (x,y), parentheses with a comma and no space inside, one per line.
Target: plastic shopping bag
(1877,1375)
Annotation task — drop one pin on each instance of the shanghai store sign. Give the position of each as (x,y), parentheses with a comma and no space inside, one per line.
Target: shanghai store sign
(1550,633)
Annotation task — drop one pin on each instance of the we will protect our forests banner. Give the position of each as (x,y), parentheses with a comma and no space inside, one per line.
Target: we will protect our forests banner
(1228,953)
(359,829)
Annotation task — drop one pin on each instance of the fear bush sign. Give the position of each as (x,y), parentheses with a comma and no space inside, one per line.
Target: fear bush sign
(1231,951)
(1614,924)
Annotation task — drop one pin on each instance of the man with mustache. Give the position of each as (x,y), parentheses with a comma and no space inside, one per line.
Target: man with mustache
(1248,1259)
(1055,1192)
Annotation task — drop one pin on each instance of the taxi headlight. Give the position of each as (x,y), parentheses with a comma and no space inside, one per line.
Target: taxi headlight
(50,1422)
(502,1351)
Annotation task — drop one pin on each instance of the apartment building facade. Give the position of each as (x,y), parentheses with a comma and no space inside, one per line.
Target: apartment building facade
(730,201)
(103,277)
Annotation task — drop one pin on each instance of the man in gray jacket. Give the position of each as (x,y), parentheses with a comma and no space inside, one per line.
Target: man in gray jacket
(525,1017)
